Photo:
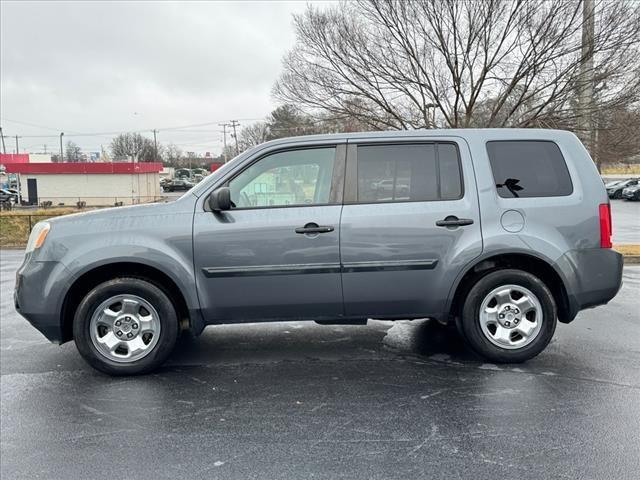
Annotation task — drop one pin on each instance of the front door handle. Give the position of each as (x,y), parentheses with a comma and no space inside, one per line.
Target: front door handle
(314,228)
(453,221)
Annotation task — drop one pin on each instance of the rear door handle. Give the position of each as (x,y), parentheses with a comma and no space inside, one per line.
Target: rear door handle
(314,228)
(453,221)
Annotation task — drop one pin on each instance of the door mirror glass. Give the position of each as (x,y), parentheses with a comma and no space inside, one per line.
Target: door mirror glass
(220,199)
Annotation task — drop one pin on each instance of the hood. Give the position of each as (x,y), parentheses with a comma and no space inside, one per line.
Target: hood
(184,203)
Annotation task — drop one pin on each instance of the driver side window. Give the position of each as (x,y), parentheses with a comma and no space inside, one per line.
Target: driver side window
(294,177)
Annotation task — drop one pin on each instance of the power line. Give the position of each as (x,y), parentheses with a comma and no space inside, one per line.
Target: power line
(118,132)
(30,124)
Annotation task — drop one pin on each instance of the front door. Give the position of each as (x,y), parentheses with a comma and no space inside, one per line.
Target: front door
(409,225)
(275,255)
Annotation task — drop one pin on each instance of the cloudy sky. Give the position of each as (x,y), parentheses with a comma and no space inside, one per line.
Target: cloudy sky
(104,67)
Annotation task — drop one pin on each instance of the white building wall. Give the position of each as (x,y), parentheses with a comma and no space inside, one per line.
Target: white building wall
(94,189)
(39,158)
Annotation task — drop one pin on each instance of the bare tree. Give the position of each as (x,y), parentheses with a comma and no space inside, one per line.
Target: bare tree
(173,155)
(133,146)
(397,64)
(254,134)
(289,121)
(616,136)
(72,152)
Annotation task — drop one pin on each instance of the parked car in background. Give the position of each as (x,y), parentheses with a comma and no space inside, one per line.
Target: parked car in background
(390,189)
(178,184)
(501,232)
(614,189)
(632,193)
(9,195)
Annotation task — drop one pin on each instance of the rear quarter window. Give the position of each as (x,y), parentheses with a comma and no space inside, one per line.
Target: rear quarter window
(529,168)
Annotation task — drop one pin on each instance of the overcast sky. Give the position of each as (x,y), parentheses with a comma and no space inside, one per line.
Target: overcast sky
(102,67)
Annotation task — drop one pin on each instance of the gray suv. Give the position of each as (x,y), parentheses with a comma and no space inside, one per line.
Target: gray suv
(500,232)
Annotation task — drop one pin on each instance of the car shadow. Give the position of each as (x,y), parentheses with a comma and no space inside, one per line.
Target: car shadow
(294,341)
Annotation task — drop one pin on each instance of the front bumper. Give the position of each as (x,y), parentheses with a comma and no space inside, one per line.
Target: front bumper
(38,296)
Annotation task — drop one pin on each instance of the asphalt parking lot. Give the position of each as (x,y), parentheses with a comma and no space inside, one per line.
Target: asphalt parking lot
(299,400)
(626,221)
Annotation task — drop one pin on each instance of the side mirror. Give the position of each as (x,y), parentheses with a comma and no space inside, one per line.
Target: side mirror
(220,199)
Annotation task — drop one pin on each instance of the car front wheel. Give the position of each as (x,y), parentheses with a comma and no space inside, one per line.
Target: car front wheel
(125,326)
(509,316)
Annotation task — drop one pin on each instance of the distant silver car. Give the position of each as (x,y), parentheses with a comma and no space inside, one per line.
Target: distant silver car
(501,232)
(616,189)
(631,193)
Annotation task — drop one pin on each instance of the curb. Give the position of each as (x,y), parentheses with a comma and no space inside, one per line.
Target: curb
(631,259)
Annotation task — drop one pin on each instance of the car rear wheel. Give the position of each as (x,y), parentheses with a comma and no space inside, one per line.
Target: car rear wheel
(509,316)
(125,326)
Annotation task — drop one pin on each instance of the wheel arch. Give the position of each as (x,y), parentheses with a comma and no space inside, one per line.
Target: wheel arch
(97,274)
(541,267)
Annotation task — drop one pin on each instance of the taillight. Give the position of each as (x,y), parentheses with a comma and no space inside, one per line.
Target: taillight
(606,227)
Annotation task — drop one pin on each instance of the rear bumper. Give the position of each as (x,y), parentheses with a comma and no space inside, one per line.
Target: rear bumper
(592,277)
(40,288)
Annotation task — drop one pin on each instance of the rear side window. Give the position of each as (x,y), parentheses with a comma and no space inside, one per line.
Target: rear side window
(401,173)
(529,169)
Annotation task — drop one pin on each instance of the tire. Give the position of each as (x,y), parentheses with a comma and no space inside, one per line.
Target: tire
(507,344)
(617,195)
(146,314)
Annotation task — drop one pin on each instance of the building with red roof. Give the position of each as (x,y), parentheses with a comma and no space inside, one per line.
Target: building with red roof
(96,184)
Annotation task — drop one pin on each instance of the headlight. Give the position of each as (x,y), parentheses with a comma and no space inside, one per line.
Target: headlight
(38,235)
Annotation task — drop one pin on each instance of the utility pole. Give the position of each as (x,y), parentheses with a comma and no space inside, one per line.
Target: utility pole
(61,153)
(585,95)
(17,147)
(234,124)
(4,147)
(224,138)
(45,148)
(155,146)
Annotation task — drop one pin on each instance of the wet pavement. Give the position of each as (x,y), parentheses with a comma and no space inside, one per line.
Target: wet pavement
(299,400)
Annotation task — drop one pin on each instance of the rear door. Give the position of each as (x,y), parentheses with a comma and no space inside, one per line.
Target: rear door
(410,223)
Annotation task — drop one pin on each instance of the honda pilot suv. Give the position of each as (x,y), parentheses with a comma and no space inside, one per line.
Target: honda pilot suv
(501,232)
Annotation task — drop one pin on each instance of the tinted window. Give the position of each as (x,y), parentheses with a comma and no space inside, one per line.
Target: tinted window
(529,169)
(450,178)
(296,177)
(408,173)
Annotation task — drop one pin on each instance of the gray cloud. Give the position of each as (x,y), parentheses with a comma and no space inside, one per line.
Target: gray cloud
(88,66)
